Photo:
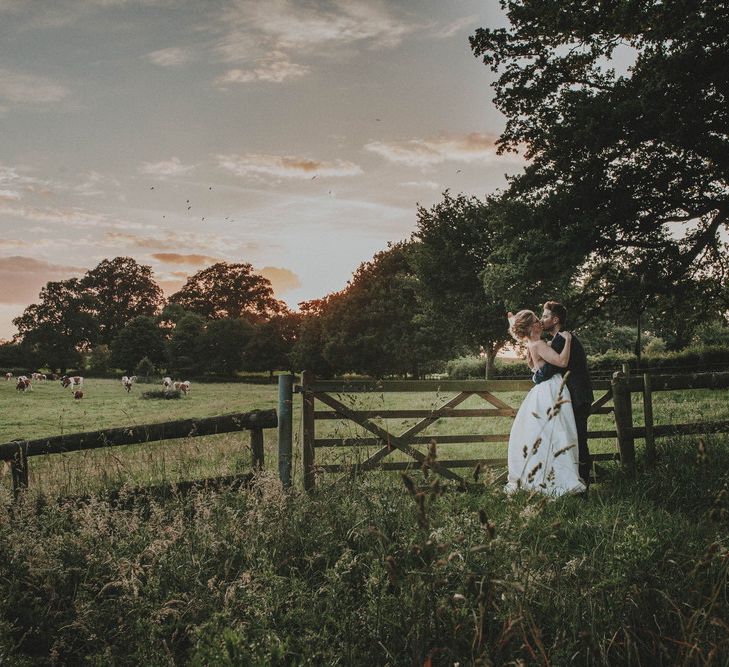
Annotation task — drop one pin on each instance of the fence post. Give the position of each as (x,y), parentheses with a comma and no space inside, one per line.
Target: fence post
(285,427)
(19,470)
(650,442)
(623,411)
(307,379)
(257,448)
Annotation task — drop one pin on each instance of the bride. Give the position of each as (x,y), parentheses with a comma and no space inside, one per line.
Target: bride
(543,452)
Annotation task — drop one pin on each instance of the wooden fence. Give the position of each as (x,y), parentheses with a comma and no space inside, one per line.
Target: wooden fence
(18,452)
(618,390)
(624,385)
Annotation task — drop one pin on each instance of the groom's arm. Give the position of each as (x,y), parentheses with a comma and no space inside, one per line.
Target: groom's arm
(558,343)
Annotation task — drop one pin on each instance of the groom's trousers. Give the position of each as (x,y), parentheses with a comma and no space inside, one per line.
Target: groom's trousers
(582,412)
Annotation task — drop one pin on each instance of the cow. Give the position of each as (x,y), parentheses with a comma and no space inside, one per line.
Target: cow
(74,381)
(38,377)
(24,384)
(184,387)
(78,394)
(127,382)
(8,377)
(167,383)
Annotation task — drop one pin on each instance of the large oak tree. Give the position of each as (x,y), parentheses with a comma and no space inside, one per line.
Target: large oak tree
(226,290)
(629,167)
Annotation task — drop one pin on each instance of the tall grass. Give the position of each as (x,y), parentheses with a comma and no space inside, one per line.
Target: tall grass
(372,571)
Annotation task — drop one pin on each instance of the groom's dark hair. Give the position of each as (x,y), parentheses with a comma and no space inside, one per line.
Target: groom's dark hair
(558,310)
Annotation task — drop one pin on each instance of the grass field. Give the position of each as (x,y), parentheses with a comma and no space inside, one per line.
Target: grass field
(50,410)
(361,572)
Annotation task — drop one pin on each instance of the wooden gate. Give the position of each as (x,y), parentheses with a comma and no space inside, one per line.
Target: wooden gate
(387,442)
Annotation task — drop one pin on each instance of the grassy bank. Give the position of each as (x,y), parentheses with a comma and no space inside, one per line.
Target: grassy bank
(359,575)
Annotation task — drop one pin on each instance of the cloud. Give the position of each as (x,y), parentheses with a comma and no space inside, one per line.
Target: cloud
(282,280)
(171,167)
(175,258)
(430,185)
(9,195)
(474,147)
(285,166)
(274,70)
(472,22)
(285,25)
(29,89)
(21,278)
(92,185)
(170,57)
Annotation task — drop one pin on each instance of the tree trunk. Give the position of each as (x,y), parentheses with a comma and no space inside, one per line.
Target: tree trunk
(491,349)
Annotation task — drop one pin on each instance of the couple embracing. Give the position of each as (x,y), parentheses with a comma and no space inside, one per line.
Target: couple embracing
(548,442)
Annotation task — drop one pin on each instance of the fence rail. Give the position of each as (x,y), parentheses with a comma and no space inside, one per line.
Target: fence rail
(18,452)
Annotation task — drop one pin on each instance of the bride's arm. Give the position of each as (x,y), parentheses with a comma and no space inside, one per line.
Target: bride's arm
(548,354)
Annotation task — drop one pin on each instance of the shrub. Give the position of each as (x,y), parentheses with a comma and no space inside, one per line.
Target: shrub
(157,394)
(145,368)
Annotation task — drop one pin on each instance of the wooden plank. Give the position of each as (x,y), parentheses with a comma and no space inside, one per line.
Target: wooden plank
(411,465)
(471,386)
(497,402)
(257,448)
(405,414)
(624,419)
(421,425)
(678,382)
(392,440)
(696,428)
(19,470)
(597,406)
(416,440)
(602,434)
(132,435)
(308,435)
(650,441)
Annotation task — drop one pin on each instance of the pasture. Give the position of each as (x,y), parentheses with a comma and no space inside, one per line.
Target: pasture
(50,410)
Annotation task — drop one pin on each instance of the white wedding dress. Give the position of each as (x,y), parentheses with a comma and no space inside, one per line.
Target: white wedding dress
(543,452)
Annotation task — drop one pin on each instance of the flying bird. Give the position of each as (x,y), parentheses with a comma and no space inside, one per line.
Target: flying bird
(189,207)
(152,188)
(210,188)
(458,171)
(315,176)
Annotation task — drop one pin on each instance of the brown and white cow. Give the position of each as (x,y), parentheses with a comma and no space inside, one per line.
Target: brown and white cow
(128,382)
(8,376)
(184,387)
(167,383)
(73,381)
(78,394)
(24,384)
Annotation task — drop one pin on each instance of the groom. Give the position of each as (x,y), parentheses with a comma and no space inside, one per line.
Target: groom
(554,319)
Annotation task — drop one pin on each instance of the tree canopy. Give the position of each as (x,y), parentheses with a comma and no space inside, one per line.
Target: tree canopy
(121,289)
(628,169)
(226,290)
(454,241)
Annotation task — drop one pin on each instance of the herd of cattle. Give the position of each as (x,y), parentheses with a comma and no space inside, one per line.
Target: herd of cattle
(76,382)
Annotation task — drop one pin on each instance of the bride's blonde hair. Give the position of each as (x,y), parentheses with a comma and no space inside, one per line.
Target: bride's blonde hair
(521,323)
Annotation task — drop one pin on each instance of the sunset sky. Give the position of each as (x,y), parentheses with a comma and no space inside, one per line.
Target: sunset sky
(303,132)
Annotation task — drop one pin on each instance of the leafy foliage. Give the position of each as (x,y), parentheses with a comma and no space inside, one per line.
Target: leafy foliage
(58,328)
(454,245)
(627,184)
(142,337)
(121,289)
(226,290)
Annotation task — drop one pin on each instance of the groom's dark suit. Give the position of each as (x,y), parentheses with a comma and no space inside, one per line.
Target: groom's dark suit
(578,382)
